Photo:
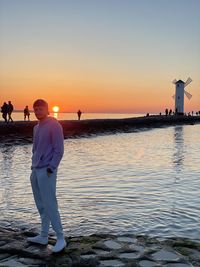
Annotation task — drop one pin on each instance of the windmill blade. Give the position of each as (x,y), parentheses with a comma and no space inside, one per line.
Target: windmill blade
(189,96)
(173,96)
(174,81)
(189,80)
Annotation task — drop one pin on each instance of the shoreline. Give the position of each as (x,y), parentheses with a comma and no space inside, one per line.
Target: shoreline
(96,250)
(21,131)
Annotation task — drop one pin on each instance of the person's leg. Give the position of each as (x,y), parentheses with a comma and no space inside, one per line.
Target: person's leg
(45,220)
(11,117)
(47,186)
(4,117)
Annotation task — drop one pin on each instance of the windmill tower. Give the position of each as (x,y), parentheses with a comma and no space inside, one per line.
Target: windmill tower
(179,95)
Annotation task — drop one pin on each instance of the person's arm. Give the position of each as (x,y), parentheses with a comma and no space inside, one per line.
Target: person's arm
(34,137)
(58,146)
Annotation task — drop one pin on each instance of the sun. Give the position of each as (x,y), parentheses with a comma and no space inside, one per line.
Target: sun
(55,109)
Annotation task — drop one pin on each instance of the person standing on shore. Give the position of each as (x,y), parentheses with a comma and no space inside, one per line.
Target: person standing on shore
(4,111)
(10,110)
(79,114)
(26,113)
(47,151)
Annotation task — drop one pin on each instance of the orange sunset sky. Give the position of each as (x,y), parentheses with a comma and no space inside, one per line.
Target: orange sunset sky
(99,56)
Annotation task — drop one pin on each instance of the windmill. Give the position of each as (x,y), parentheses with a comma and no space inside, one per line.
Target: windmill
(179,95)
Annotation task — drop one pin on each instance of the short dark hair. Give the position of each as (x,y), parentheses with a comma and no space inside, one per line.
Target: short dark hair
(40,102)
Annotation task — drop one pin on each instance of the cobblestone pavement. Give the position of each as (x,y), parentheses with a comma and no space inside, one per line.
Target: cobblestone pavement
(97,250)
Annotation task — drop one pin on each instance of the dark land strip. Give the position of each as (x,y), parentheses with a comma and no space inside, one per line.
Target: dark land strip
(20,132)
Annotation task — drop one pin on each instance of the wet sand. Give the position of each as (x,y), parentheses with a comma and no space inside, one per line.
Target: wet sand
(21,132)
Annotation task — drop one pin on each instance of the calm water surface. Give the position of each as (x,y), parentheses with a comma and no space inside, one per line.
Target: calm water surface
(145,182)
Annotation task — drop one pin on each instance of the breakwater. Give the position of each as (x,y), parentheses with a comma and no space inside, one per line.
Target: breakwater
(96,250)
(22,131)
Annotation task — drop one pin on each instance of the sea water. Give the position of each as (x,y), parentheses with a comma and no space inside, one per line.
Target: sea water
(146,182)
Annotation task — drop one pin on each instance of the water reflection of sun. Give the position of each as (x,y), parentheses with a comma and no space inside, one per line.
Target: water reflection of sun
(55,109)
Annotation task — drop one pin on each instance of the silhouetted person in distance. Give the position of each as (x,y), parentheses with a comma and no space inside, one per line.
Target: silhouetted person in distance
(166,111)
(170,112)
(26,113)
(79,114)
(10,110)
(4,111)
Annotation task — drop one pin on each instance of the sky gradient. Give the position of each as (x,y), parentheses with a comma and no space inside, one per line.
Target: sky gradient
(99,55)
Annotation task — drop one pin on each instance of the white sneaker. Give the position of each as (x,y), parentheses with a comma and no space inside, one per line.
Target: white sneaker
(60,245)
(38,239)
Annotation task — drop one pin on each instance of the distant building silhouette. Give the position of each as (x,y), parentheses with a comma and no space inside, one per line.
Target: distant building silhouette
(179,95)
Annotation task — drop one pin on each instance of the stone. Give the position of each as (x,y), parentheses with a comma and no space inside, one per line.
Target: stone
(4,256)
(129,255)
(29,261)
(38,251)
(88,256)
(126,239)
(12,263)
(136,247)
(58,261)
(101,252)
(5,224)
(97,250)
(178,265)
(112,244)
(146,263)
(165,255)
(12,247)
(111,263)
